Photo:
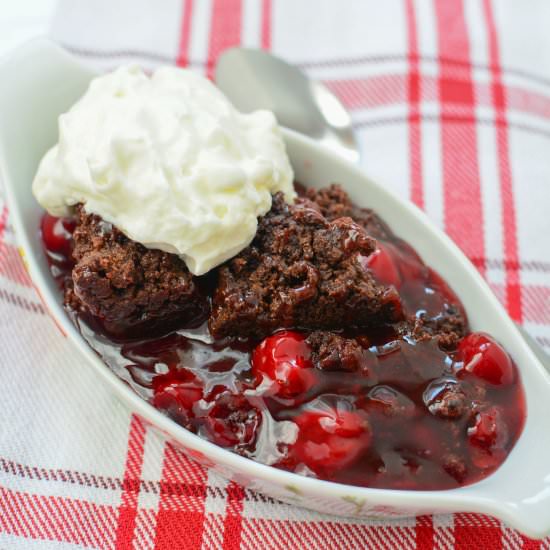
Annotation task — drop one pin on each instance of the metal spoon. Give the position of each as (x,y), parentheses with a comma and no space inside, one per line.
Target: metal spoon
(254,79)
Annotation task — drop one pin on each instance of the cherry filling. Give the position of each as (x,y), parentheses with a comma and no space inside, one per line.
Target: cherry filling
(483,358)
(57,234)
(281,363)
(382,262)
(330,437)
(393,413)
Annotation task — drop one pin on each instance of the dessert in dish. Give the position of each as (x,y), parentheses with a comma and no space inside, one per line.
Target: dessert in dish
(399,395)
(322,345)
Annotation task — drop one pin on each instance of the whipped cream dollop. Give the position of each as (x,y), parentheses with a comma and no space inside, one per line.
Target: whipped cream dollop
(169,161)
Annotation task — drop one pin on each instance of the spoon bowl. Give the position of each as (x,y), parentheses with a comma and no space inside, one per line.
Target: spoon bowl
(253,79)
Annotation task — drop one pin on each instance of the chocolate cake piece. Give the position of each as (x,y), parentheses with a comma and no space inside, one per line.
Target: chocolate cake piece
(300,271)
(333,352)
(125,284)
(335,203)
(448,328)
(448,325)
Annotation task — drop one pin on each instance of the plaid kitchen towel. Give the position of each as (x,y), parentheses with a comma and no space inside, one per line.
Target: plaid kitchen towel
(451,104)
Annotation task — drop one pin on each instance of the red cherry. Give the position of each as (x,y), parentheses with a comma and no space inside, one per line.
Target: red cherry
(484,432)
(284,360)
(484,358)
(232,421)
(488,437)
(383,265)
(177,401)
(57,234)
(330,439)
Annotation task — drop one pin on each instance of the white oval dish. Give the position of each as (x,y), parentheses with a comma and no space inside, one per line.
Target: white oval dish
(40,81)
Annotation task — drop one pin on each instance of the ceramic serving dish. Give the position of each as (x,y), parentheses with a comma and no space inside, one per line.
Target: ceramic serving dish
(40,81)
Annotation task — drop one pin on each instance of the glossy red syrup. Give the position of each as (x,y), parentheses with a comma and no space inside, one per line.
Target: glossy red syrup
(416,417)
